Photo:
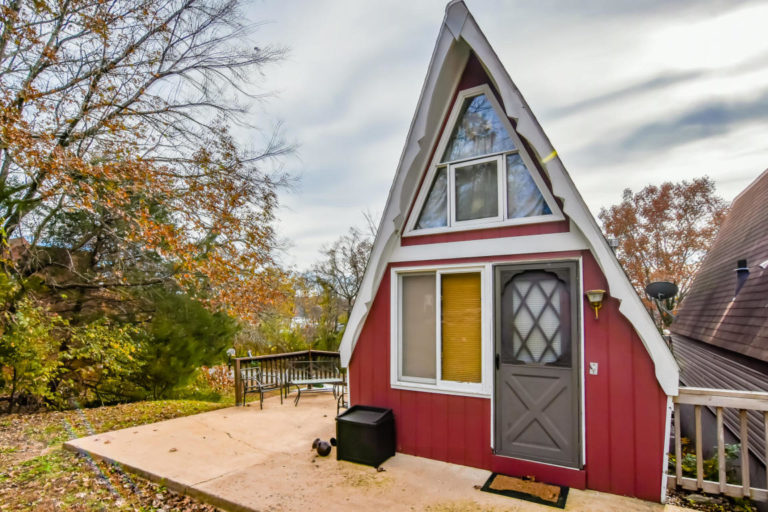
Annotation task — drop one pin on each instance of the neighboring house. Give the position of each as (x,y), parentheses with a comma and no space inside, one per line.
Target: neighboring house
(472,322)
(720,335)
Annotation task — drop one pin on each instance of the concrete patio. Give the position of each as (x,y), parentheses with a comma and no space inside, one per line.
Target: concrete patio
(243,458)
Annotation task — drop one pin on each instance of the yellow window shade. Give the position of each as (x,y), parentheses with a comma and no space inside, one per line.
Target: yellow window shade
(460,324)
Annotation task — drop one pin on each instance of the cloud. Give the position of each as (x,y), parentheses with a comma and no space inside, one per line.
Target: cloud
(700,122)
(607,78)
(656,83)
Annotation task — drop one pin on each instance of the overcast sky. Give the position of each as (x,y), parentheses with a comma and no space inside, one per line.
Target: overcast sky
(630,93)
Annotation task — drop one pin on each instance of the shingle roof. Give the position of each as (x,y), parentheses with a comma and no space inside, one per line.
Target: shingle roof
(713,312)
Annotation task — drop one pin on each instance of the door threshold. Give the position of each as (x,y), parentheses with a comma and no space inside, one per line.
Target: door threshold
(497,454)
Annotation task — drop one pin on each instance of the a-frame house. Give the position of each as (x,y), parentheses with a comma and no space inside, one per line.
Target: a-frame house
(472,322)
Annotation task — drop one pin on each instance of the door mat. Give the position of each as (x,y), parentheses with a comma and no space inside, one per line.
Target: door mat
(529,490)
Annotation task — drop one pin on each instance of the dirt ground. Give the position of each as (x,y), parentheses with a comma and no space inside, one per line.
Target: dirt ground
(37,474)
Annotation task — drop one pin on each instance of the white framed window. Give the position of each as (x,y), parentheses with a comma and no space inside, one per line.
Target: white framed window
(476,191)
(441,329)
(481,175)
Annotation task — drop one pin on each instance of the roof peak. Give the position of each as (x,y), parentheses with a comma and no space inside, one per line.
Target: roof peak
(460,3)
(459,37)
(456,14)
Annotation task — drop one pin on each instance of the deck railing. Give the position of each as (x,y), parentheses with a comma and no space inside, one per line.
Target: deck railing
(275,366)
(720,401)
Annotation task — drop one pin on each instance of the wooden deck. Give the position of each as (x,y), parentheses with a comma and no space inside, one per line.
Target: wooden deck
(739,404)
(279,369)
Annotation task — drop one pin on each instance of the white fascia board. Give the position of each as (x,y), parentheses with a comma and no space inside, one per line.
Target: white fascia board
(665,457)
(444,70)
(666,369)
(552,242)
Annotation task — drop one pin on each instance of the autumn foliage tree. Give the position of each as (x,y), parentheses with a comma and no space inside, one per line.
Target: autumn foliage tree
(115,144)
(663,234)
(120,174)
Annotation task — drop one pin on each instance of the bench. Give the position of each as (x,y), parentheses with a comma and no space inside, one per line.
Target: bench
(255,380)
(310,374)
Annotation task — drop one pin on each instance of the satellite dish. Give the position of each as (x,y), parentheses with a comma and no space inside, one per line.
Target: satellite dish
(661,290)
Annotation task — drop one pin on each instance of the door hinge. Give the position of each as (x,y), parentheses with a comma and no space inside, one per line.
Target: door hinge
(497,361)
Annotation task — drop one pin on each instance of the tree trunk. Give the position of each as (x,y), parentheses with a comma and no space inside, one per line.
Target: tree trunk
(12,398)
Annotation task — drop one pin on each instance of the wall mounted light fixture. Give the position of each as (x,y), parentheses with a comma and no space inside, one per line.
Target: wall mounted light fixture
(595,298)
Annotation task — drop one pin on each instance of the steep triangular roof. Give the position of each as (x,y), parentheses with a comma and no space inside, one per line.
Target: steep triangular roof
(459,36)
(713,312)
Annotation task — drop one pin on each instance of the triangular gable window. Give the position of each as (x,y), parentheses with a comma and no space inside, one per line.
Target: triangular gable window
(477,132)
(435,211)
(483,176)
(524,198)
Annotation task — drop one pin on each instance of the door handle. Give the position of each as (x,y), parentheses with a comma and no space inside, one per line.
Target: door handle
(497,361)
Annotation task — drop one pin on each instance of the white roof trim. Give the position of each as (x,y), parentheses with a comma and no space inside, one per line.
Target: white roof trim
(458,34)
(568,241)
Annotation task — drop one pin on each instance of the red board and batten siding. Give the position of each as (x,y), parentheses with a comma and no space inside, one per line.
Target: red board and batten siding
(624,405)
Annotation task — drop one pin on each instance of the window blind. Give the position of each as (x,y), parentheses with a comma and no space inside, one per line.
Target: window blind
(461,327)
(419,326)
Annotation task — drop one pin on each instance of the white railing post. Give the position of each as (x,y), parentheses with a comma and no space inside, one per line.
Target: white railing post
(744,438)
(699,450)
(678,447)
(765,426)
(721,450)
(731,410)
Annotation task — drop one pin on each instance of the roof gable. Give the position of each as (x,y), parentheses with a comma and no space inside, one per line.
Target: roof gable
(475,129)
(713,312)
(460,36)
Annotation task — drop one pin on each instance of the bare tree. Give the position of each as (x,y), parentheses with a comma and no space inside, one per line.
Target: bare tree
(343,265)
(114,141)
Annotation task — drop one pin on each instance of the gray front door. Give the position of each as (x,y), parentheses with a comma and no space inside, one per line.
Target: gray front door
(537,354)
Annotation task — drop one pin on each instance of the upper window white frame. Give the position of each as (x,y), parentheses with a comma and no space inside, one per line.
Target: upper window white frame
(437,385)
(500,191)
(436,162)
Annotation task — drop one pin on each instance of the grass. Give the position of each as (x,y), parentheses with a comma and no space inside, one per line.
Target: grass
(36,473)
